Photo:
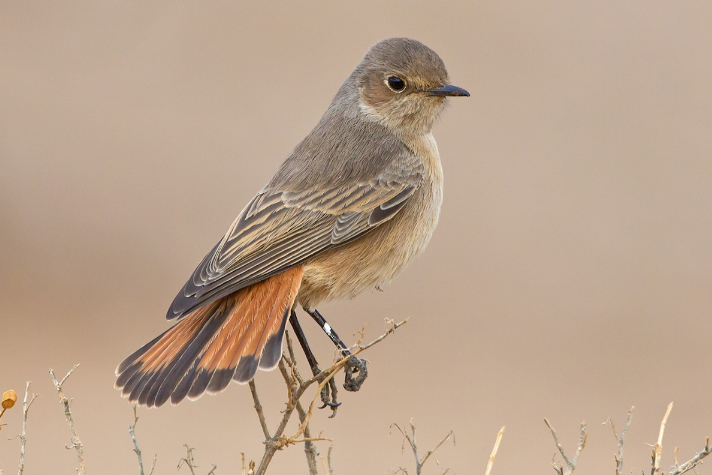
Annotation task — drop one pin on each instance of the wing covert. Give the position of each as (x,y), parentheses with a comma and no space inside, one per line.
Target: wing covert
(279,229)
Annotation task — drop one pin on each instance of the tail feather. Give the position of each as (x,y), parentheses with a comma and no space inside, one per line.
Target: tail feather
(273,346)
(228,339)
(171,357)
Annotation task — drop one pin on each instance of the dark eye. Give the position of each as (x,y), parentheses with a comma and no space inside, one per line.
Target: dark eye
(395,83)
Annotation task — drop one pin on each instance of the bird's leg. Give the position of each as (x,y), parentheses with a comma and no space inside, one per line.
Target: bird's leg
(355,368)
(328,394)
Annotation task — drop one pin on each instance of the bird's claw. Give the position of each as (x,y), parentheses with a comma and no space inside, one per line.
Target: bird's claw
(328,397)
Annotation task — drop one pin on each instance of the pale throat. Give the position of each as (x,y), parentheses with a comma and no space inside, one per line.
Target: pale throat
(418,121)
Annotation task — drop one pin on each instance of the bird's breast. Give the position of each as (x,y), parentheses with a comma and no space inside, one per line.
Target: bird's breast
(378,256)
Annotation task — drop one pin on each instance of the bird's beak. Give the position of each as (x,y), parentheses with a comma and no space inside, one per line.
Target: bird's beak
(447,90)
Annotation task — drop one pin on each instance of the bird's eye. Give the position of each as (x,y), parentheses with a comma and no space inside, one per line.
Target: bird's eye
(395,83)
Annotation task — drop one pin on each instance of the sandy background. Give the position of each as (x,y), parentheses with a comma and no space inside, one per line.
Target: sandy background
(570,275)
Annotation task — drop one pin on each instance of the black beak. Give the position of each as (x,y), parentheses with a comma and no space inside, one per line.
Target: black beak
(448,90)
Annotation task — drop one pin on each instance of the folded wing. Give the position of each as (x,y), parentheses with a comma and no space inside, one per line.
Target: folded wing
(282,228)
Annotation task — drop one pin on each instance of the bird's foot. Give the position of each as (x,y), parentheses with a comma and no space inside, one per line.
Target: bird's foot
(328,397)
(355,373)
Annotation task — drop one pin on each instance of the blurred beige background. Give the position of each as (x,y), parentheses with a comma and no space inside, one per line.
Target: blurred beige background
(570,276)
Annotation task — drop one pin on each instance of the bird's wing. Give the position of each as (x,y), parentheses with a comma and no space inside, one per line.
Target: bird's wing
(279,229)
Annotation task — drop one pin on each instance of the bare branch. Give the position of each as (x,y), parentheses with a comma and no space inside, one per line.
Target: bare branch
(137,449)
(412,441)
(296,387)
(309,447)
(258,409)
(570,464)
(189,461)
(694,461)
(76,443)
(23,435)
(490,463)
(619,456)
(431,452)
(153,464)
(393,327)
(245,470)
(292,360)
(328,470)
(658,449)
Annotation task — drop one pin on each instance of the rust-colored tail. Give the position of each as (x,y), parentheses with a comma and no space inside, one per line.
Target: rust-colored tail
(225,340)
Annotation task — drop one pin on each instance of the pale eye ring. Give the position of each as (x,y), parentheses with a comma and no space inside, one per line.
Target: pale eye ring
(395,84)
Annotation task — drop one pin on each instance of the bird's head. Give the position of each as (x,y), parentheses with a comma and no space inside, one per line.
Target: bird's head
(403,84)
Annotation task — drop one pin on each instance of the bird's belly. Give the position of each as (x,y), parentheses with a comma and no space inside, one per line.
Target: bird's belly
(375,258)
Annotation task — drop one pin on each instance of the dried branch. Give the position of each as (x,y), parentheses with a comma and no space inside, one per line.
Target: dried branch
(658,448)
(76,443)
(309,447)
(245,470)
(619,456)
(258,409)
(189,461)
(296,387)
(570,464)
(694,461)
(23,434)
(153,464)
(490,463)
(328,470)
(411,439)
(137,449)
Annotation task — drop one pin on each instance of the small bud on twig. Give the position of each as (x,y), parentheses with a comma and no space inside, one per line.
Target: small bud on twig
(9,398)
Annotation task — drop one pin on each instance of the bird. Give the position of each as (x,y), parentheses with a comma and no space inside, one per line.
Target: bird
(354,202)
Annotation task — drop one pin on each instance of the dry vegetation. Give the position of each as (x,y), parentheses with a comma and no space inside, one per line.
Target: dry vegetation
(298,396)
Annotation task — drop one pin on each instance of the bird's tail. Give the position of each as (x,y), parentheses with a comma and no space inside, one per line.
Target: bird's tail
(225,340)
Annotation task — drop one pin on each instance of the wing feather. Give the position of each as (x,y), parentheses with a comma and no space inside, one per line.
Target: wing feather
(282,228)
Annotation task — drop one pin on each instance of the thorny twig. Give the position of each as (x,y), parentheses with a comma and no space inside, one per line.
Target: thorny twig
(411,439)
(23,435)
(296,387)
(76,443)
(490,463)
(137,449)
(570,464)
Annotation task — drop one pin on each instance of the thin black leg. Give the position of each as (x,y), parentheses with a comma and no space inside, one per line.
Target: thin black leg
(355,369)
(311,359)
(333,336)
(328,394)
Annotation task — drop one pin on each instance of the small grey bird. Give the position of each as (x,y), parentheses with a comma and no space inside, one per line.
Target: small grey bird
(354,202)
